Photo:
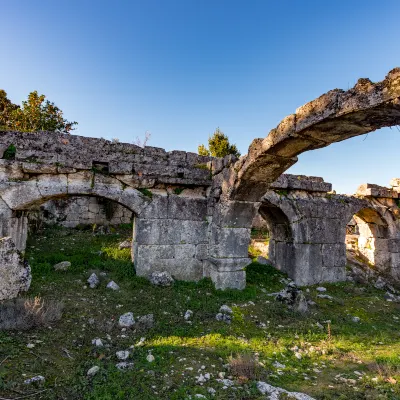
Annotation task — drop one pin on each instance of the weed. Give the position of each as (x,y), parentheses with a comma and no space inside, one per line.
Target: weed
(146,192)
(10,152)
(24,314)
(179,190)
(243,366)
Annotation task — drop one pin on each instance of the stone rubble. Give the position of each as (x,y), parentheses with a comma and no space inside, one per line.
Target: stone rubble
(126,320)
(62,266)
(164,278)
(93,281)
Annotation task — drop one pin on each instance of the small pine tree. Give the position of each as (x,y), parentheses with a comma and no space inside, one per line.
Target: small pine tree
(218,146)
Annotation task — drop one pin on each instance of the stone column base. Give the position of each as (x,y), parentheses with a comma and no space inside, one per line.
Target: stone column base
(227,273)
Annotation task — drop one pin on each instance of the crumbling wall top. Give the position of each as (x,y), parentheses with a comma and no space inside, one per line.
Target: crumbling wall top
(301,182)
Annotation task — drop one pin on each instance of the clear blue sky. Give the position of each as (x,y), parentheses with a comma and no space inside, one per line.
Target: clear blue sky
(181,68)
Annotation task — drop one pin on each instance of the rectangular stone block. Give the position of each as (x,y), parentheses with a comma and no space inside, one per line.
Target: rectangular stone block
(234,214)
(228,280)
(194,232)
(157,208)
(201,251)
(334,255)
(185,250)
(307,264)
(185,208)
(394,245)
(229,242)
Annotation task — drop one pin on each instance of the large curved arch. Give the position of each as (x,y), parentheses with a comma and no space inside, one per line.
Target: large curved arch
(333,117)
(24,195)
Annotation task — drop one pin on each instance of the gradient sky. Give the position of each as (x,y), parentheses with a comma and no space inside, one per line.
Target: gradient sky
(181,68)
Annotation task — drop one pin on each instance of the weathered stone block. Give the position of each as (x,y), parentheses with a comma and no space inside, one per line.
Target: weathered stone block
(234,214)
(39,168)
(20,196)
(334,255)
(183,208)
(229,242)
(15,274)
(52,185)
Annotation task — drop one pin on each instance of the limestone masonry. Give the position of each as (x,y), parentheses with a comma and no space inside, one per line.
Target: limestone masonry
(193,214)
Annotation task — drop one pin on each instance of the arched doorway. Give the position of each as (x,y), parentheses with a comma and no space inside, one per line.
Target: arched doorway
(280,249)
(367,239)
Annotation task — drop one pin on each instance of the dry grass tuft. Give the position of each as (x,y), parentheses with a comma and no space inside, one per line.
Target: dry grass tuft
(23,314)
(243,366)
(385,372)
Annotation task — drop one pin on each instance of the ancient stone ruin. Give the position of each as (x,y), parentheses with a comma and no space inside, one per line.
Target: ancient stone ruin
(193,214)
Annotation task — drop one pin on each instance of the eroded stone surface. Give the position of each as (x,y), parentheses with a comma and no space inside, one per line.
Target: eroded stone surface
(15,273)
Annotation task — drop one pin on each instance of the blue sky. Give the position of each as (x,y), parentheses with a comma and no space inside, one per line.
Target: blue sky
(181,68)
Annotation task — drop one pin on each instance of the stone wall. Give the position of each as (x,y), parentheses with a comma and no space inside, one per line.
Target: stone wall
(194,214)
(84,210)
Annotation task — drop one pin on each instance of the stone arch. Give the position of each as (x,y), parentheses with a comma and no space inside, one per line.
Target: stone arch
(280,250)
(333,117)
(17,197)
(376,232)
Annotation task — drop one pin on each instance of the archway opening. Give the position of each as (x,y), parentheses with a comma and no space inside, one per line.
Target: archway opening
(280,236)
(367,237)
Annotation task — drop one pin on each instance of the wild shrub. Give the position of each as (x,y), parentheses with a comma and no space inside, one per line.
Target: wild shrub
(243,366)
(24,314)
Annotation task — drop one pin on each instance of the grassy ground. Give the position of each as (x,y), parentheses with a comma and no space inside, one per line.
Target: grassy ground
(340,359)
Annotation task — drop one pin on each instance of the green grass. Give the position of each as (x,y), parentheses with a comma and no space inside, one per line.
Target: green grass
(371,347)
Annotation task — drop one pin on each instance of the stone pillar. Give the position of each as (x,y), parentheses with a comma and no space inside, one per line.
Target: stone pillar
(171,235)
(229,239)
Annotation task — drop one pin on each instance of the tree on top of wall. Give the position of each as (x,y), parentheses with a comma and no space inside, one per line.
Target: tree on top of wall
(35,114)
(218,146)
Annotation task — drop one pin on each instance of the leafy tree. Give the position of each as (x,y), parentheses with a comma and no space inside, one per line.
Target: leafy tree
(6,108)
(36,114)
(218,146)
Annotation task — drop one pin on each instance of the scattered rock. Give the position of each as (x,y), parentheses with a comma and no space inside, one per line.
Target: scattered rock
(380,283)
(161,278)
(300,304)
(146,321)
(188,315)
(112,285)
(126,320)
(122,355)
(62,266)
(262,260)
(97,342)
(277,364)
(356,319)
(225,309)
(126,244)
(150,358)
(321,289)
(288,294)
(124,366)
(30,345)
(275,392)
(37,378)
(325,296)
(224,318)
(391,297)
(93,371)
(93,281)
